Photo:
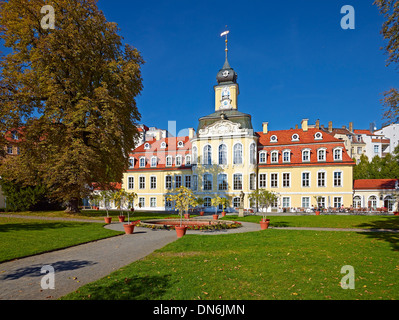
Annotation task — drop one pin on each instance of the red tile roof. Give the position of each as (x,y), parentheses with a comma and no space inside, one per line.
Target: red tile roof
(374,184)
(359,131)
(284,137)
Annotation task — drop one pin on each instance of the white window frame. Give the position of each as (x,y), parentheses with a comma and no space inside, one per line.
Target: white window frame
(220,181)
(303,202)
(324,152)
(153,202)
(324,179)
(303,155)
(261,155)
(178,181)
(130,182)
(169,161)
(274,181)
(142,182)
(238,156)
(187,160)
(295,137)
(289,156)
(207,155)
(284,179)
(274,156)
(336,179)
(262,180)
(142,162)
(154,162)
(339,149)
(153,182)
(178,161)
(208,188)
(222,153)
(236,182)
(167,187)
(303,180)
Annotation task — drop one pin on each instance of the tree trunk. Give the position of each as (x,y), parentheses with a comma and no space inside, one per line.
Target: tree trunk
(73,206)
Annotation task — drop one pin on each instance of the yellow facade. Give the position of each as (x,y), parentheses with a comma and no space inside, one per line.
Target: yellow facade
(226,157)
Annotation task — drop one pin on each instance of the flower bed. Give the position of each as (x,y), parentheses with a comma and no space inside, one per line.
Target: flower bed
(168,224)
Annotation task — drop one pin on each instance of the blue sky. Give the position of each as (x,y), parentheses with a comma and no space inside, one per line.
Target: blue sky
(293,59)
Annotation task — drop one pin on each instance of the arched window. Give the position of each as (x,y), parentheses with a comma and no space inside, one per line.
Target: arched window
(208,154)
(222,154)
(357,202)
(195,155)
(237,150)
(252,154)
(372,202)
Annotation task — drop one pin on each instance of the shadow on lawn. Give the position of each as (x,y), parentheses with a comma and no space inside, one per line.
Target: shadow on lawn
(132,288)
(385,223)
(26,226)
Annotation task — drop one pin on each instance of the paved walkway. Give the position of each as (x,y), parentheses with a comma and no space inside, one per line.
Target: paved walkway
(76,266)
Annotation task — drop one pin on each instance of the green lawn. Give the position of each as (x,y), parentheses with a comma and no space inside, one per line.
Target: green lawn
(327,221)
(270,264)
(24,237)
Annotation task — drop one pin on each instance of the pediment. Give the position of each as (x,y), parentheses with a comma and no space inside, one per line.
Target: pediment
(222,128)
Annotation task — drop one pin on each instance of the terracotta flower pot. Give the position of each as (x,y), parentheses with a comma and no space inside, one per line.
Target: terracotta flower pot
(186,216)
(223,214)
(107,220)
(201,213)
(396,213)
(180,231)
(317,213)
(264,224)
(128,228)
(121,218)
(215,216)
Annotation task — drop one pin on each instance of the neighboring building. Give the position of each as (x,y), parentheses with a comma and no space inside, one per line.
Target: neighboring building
(391,132)
(376,194)
(226,157)
(376,144)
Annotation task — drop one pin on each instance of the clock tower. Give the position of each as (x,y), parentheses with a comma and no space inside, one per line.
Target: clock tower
(226,91)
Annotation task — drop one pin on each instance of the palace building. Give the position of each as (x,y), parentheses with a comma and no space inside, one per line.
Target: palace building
(224,156)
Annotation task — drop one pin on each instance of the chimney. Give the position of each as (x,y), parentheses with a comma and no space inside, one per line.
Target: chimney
(158,135)
(330,126)
(343,127)
(317,124)
(296,126)
(191,133)
(265,127)
(304,124)
(351,126)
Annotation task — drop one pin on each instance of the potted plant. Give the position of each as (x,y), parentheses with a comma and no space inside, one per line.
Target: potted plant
(264,199)
(200,201)
(130,197)
(106,197)
(215,203)
(318,200)
(224,202)
(183,198)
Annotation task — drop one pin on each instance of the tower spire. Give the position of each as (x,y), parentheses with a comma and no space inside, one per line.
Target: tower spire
(226,63)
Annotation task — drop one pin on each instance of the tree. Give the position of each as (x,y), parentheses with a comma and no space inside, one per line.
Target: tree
(264,199)
(184,198)
(72,93)
(390,30)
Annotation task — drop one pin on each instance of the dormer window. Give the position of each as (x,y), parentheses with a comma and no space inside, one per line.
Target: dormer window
(337,154)
(306,155)
(295,137)
(180,144)
(273,138)
(321,154)
(286,156)
(163,145)
(178,161)
(131,163)
(274,156)
(142,162)
(169,161)
(318,136)
(262,157)
(147,146)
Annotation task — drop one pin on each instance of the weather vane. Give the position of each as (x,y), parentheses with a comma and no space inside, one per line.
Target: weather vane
(225,34)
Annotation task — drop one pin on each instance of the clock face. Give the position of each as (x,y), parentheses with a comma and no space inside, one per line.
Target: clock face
(225,73)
